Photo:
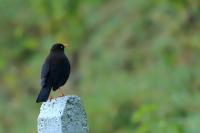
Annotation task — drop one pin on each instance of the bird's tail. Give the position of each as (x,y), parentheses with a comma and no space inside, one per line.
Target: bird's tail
(44,94)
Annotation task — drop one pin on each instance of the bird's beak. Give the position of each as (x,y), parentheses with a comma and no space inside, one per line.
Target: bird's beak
(65,45)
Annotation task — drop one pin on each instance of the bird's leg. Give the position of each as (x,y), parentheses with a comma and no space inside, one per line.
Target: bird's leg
(50,97)
(61,92)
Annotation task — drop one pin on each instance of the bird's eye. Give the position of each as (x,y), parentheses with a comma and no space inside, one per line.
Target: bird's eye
(61,47)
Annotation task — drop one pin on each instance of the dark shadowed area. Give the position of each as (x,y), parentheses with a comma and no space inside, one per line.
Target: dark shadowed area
(135,63)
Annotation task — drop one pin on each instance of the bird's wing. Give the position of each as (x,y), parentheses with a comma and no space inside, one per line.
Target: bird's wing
(44,73)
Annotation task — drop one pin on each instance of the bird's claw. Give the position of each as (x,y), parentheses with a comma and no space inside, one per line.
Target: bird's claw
(50,98)
(61,93)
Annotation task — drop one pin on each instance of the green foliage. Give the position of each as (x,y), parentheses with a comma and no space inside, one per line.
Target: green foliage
(134,63)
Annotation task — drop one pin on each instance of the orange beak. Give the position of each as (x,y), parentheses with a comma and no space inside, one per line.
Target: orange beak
(65,45)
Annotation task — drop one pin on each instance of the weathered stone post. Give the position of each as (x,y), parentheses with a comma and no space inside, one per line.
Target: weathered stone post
(62,115)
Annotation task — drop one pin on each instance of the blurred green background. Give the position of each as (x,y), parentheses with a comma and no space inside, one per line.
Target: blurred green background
(135,63)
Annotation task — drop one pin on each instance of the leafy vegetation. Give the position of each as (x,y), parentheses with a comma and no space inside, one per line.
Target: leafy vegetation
(135,63)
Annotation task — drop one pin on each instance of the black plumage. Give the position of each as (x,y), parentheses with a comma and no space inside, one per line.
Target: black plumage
(55,72)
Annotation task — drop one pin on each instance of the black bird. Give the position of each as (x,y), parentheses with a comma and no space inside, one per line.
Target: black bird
(55,72)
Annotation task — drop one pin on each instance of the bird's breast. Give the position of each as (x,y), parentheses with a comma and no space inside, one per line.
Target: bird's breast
(60,70)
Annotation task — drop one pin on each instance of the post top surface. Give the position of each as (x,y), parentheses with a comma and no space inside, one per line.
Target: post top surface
(55,107)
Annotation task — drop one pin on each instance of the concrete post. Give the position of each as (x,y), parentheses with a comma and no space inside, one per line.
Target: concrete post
(62,115)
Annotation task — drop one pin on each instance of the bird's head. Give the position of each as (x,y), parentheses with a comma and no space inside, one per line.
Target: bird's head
(58,47)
